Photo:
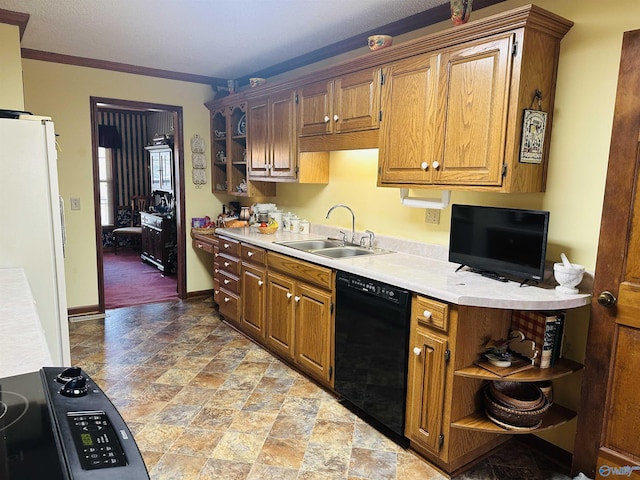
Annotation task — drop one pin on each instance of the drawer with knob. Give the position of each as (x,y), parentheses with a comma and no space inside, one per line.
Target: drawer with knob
(231,247)
(229,305)
(431,313)
(229,282)
(253,254)
(228,264)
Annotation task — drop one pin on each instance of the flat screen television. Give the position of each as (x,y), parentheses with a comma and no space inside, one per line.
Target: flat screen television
(499,241)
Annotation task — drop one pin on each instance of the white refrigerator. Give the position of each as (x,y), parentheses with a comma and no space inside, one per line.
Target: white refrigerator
(32,222)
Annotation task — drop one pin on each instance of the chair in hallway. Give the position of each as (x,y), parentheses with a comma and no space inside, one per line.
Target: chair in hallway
(134,230)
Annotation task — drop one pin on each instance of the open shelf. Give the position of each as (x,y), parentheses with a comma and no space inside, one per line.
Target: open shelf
(564,367)
(478,421)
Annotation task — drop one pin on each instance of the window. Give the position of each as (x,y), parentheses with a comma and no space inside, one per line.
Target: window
(105,172)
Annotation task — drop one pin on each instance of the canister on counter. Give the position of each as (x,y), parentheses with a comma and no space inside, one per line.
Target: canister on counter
(294,224)
(286,221)
(304,227)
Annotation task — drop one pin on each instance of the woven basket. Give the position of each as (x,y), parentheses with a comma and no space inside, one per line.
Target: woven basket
(507,417)
(203,230)
(517,395)
(268,230)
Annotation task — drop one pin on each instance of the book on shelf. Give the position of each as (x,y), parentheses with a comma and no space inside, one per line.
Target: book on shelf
(558,340)
(540,328)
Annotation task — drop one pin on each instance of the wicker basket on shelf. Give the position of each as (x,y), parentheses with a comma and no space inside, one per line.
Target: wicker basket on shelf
(204,230)
(513,419)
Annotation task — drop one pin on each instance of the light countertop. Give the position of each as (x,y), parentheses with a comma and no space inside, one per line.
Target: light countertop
(427,273)
(23,347)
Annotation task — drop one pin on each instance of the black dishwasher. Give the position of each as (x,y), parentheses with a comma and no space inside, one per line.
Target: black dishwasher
(372,344)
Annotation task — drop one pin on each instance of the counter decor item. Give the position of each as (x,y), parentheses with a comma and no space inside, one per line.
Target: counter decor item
(460,11)
(376,42)
(568,275)
(203,225)
(256,82)
(198,161)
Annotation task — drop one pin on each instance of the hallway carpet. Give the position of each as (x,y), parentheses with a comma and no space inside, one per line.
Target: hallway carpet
(128,281)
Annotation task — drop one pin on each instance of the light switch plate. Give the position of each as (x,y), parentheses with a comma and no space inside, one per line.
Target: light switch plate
(75,203)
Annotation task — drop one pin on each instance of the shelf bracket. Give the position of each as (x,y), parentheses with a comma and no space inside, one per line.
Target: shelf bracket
(418,202)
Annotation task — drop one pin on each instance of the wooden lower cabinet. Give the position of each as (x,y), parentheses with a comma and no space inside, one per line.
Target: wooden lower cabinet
(253,279)
(445,419)
(425,396)
(280,314)
(299,322)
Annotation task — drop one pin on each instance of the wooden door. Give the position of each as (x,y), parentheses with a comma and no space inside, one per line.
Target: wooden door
(280,314)
(607,440)
(314,108)
(472,113)
(356,104)
(407,127)
(258,138)
(253,281)
(313,329)
(282,137)
(425,397)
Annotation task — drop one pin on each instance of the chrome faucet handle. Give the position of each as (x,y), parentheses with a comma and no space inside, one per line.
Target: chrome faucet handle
(344,237)
(370,235)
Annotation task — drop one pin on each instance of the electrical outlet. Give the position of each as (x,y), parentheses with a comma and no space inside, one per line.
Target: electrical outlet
(75,203)
(432,215)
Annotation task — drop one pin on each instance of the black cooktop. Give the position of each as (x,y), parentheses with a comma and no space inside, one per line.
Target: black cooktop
(27,443)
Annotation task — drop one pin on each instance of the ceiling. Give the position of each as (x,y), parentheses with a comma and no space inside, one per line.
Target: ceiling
(213,38)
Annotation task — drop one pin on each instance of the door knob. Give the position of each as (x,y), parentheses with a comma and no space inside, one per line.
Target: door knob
(336,118)
(260,283)
(417,351)
(297,298)
(607,299)
(435,165)
(289,294)
(424,166)
(426,314)
(250,254)
(326,118)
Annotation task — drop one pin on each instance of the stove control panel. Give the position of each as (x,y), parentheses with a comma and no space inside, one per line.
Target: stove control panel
(92,435)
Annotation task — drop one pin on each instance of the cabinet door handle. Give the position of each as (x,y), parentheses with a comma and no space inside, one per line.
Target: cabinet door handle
(226,299)
(226,282)
(215,270)
(226,245)
(289,294)
(435,165)
(417,351)
(297,298)
(336,118)
(424,166)
(426,314)
(326,118)
(260,283)
(226,264)
(249,254)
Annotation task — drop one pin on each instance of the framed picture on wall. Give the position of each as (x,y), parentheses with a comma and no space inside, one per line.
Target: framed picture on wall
(533,129)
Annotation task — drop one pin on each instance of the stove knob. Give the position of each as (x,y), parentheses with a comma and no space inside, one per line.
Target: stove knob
(68,373)
(76,387)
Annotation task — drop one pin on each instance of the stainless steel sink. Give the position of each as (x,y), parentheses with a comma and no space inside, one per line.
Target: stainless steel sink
(332,248)
(346,251)
(308,245)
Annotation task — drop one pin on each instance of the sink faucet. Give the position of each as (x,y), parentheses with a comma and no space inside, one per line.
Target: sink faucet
(353,219)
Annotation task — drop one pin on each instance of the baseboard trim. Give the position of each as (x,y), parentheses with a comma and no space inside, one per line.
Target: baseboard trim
(200,293)
(86,310)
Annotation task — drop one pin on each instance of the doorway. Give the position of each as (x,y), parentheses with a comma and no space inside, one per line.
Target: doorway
(99,105)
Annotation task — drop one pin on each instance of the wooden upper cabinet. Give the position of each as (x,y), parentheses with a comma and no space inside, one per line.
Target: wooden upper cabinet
(271,142)
(444,116)
(407,131)
(347,103)
(473,86)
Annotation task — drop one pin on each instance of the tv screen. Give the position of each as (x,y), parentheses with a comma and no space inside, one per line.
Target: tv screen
(505,241)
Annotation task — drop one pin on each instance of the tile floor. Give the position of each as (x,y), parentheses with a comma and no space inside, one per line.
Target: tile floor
(204,402)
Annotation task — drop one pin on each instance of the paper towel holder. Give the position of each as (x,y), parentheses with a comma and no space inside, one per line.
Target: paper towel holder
(418,202)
